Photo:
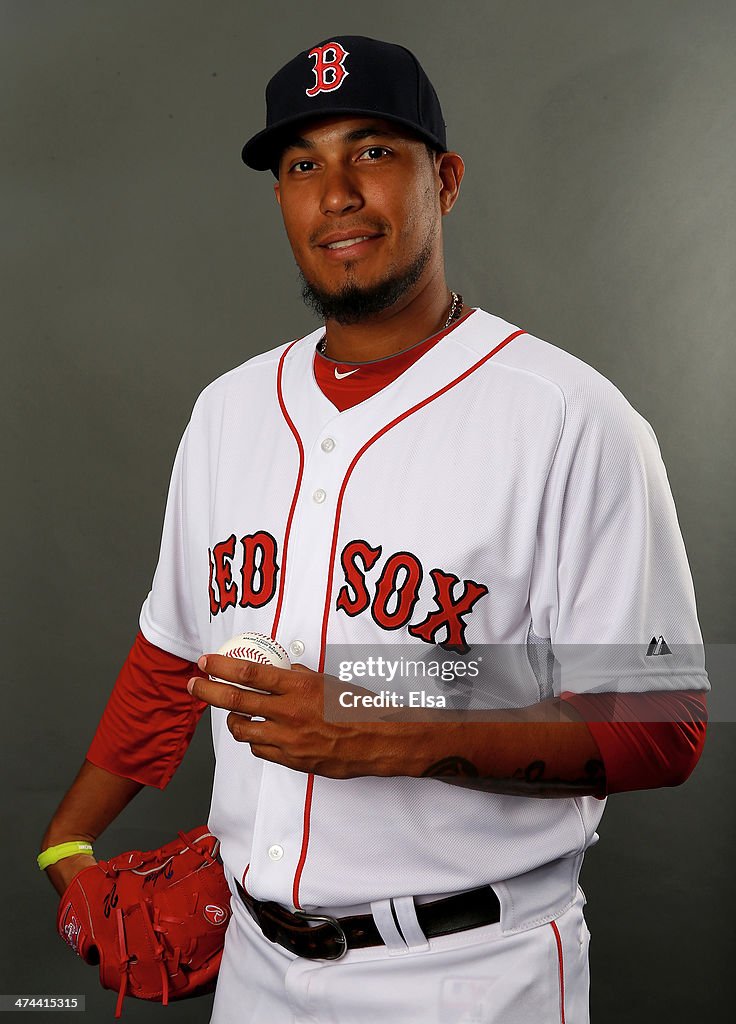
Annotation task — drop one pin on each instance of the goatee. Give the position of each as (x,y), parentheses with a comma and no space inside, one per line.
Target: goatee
(353,303)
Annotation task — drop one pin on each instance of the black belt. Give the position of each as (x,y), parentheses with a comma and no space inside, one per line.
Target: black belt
(329,938)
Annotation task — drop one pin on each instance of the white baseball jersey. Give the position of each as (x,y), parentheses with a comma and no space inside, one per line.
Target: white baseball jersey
(499,492)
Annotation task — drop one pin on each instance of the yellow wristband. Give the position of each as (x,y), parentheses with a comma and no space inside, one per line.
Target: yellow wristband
(57,853)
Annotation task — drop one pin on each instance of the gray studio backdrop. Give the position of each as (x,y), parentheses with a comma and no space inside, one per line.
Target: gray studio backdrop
(141,259)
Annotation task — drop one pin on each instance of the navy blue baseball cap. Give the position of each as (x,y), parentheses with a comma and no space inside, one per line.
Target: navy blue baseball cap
(347,75)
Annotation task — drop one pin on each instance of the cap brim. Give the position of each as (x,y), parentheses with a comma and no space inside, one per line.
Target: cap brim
(263,150)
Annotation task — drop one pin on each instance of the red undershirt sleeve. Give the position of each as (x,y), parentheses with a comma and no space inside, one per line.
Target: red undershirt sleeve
(150,718)
(646,740)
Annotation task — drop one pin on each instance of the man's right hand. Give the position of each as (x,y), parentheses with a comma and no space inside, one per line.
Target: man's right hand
(62,873)
(95,799)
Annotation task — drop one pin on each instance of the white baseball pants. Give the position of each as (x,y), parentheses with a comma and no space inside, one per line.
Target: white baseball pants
(480,976)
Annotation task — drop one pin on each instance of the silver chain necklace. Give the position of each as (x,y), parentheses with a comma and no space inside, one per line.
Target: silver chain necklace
(455,310)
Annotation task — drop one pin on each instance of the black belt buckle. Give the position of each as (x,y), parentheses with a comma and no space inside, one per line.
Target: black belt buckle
(342,937)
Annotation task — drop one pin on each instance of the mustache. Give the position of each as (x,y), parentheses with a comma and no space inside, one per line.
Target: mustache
(364,228)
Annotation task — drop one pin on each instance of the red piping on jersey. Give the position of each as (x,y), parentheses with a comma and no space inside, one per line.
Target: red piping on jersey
(305,840)
(287,531)
(280,601)
(323,638)
(561,969)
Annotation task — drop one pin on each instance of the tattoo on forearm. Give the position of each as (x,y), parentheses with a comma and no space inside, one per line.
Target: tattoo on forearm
(455,767)
(530,781)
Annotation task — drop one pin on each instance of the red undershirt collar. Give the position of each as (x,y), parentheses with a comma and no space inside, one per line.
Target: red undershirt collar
(348,384)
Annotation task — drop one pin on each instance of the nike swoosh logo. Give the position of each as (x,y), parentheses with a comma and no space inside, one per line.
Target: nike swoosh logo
(347,373)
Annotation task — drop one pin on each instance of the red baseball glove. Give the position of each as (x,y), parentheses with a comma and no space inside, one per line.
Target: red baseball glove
(154,922)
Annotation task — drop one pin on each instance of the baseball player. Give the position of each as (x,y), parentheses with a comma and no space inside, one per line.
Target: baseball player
(415,475)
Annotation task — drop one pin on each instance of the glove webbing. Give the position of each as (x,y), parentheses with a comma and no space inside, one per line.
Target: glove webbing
(125,957)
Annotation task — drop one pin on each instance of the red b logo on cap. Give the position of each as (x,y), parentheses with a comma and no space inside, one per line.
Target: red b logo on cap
(329,68)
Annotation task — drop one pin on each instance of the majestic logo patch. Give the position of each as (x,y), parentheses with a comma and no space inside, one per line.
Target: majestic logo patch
(214,914)
(329,68)
(657,646)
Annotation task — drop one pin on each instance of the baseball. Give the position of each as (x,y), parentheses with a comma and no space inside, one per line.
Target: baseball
(256,647)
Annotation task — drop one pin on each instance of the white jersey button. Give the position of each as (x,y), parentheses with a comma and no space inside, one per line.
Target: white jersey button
(275,852)
(296,647)
(319,495)
(328,444)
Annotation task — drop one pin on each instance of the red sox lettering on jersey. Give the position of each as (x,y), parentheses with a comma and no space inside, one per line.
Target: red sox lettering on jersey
(329,68)
(258,574)
(395,593)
